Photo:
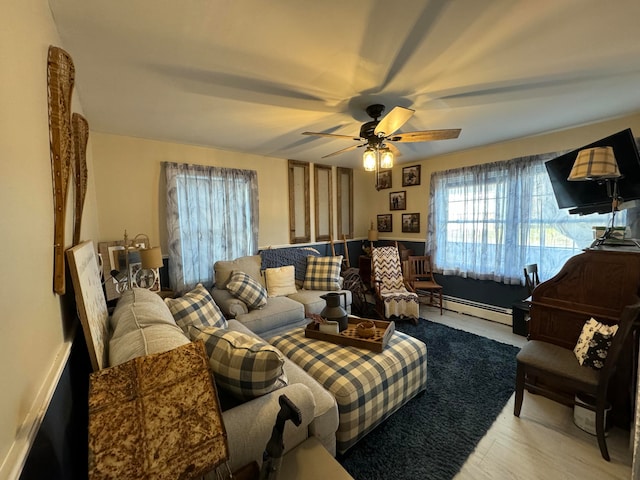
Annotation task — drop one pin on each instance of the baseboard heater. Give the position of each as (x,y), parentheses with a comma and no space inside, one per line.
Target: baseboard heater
(478,309)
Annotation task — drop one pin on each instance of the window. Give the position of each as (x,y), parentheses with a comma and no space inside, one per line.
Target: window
(212,214)
(488,221)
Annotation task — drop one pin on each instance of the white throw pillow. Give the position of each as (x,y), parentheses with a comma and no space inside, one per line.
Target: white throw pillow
(280,281)
(590,327)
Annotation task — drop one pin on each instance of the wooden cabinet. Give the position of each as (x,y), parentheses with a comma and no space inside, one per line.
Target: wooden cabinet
(597,283)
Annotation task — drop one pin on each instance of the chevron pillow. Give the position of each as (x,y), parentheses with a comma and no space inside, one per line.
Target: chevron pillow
(245,288)
(323,273)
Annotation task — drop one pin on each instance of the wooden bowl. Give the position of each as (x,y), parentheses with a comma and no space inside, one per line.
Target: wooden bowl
(366,329)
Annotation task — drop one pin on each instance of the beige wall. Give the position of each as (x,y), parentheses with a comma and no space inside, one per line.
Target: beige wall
(130,181)
(130,187)
(418,196)
(34,336)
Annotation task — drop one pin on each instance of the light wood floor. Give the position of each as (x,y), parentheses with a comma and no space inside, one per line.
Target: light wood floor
(543,443)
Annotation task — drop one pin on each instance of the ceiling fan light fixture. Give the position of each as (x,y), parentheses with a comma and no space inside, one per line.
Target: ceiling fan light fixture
(369,159)
(386,158)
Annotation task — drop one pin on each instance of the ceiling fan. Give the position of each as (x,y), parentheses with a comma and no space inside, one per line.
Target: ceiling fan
(377,135)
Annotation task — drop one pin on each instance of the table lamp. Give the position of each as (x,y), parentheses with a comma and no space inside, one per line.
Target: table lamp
(150,259)
(373,234)
(599,164)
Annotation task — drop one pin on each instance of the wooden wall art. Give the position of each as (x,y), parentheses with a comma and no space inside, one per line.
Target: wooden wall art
(60,80)
(92,307)
(80,128)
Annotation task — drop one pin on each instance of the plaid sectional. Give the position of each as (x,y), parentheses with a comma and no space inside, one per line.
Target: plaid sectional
(367,386)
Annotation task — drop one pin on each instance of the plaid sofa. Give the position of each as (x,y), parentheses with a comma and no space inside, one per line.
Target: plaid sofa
(368,387)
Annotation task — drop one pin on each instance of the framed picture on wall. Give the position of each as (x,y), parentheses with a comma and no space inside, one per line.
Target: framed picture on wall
(398,200)
(385,223)
(410,223)
(411,176)
(384,179)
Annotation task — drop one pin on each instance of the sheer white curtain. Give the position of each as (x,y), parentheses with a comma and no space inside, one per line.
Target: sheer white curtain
(488,221)
(212,214)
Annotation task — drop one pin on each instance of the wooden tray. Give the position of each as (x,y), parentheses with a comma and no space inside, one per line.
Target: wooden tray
(377,343)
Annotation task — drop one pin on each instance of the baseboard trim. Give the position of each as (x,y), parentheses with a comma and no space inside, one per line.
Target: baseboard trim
(14,462)
(475,309)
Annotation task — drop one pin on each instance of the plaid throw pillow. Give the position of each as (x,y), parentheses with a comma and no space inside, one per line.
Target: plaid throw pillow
(242,364)
(245,288)
(323,273)
(196,308)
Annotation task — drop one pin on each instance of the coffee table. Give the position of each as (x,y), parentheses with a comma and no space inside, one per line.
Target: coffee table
(368,386)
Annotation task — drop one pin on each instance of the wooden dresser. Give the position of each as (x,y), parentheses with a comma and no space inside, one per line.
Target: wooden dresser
(597,283)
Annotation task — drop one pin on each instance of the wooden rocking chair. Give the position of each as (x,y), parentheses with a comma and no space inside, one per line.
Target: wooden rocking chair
(393,295)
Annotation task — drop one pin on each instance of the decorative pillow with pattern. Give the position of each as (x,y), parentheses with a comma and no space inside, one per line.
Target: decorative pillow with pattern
(245,288)
(243,365)
(196,308)
(598,350)
(323,273)
(590,327)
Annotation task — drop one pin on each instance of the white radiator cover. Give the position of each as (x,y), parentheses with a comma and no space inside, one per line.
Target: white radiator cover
(477,309)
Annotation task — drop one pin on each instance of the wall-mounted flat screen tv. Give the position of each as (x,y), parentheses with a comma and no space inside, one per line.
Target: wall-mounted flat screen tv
(591,196)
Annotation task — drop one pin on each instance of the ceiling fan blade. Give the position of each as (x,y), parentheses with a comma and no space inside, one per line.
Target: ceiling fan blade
(348,149)
(393,120)
(426,136)
(332,135)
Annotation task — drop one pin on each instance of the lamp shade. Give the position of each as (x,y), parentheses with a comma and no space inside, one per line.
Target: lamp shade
(594,164)
(373,235)
(369,159)
(151,257)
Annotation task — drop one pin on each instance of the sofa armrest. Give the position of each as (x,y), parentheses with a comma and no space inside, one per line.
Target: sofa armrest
(249,425)
(230,305)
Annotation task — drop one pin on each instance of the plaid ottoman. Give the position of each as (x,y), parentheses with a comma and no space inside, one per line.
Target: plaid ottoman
(367,386)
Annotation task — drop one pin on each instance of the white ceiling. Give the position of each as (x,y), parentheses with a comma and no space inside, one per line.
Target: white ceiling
(252,75)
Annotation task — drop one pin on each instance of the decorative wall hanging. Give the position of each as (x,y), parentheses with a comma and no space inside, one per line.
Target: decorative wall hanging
(60,80)
(411,176)
(385,223)
(384,180)
(80,128)
(410,223)
(398,200)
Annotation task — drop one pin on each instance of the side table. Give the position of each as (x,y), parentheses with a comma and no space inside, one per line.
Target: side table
(364,265)
(311,461)
(308,461)
(520,317)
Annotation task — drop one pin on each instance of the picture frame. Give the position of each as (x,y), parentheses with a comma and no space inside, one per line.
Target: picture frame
(398,200)
(410,223)
(384,179)
(385,223)
(411,176)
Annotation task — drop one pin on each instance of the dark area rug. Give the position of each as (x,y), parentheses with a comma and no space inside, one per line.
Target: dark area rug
(470,379)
